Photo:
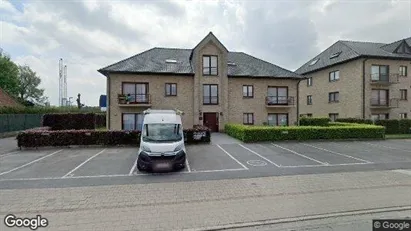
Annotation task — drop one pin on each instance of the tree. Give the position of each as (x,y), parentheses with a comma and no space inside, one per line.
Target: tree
(28,85)
(9,71)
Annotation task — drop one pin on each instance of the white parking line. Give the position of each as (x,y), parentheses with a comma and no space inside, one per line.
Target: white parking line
(329,165)
(32,162)
(120,175)
(74,169)
(232,157)
(218,170)
(402,171)
(337,153)
(388,147)
(294,152)
(133,168)
(8,154)
(188,165)
(262,157)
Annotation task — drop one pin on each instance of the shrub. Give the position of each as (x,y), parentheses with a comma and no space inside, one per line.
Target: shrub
(100,120)
(314,121)
(264,133)
(197,134)
(40,137)
(43,138)
(404,126)
(355,120)
(69,121)
(45,110)
(391,126)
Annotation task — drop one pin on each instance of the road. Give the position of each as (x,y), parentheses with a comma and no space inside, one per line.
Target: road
(207,205)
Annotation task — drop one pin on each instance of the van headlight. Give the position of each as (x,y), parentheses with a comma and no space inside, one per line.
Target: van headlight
(179,148)
(145,148)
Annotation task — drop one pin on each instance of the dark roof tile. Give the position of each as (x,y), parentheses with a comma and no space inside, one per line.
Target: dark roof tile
(352,50)
(153,61)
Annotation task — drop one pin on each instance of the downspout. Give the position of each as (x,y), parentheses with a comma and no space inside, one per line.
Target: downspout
(108,102)
(363,87)
(298,100)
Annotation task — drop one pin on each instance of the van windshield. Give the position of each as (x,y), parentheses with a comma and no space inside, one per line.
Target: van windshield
(162,132)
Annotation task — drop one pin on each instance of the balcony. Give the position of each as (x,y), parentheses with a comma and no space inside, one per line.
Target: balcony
(384,104)
(134,100)
(384,79)
(279,101)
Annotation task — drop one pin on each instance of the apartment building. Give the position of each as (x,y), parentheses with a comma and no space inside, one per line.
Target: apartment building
(211,85)
(358,79)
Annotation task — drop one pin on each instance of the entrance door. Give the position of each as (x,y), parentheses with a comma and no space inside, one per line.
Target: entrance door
(210,120)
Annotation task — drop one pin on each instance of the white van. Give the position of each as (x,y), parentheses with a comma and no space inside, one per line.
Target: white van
(162,141)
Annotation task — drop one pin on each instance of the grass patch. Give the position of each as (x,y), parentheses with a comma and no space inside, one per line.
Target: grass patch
(398,136)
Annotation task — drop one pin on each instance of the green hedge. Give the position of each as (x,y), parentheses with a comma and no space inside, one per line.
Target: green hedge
(354,120)
(45,110)
(314,121)
(392,126)
(404,126)
(263,133)
(395,126)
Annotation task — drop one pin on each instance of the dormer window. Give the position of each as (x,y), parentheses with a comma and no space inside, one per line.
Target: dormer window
(335,55)
(171,61)
(314,62)
(210,66)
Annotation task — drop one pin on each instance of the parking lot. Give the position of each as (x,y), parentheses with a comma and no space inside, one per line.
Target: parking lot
(223,158)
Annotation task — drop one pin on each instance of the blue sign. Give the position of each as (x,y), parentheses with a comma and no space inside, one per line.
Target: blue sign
(103,101)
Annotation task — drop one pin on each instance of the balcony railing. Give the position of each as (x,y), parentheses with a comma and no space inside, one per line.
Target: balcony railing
(384,103)
(384,78)
(134,99)
(273,101)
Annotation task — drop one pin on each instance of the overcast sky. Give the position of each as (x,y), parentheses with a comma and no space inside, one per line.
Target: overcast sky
(91,34)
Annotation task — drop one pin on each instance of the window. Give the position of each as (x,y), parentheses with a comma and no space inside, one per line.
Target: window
(132,121)
(171,89)
(333,116)
(335,55)
(314,62)
(379,97)
(210,94)
(277,95)
(277,119)
(248,118)
(380,116)
(379,73)
(310,81)
(333,97)
(248,91)
(404,94)
(171,61)
(309,99)
(403,115)
(403,71)
(309,115)
(162,132)
(334,76)
(210,65)
(136,92)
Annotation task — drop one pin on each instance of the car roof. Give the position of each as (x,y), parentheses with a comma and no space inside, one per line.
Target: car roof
(162,118)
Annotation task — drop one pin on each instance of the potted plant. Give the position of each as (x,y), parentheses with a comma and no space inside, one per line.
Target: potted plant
(121,98)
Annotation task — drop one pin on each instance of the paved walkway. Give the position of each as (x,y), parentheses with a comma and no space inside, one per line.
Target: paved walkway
(201,204)
(222,138)
(8,145)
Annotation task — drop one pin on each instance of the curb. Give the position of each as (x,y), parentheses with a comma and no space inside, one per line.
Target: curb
(301,218)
